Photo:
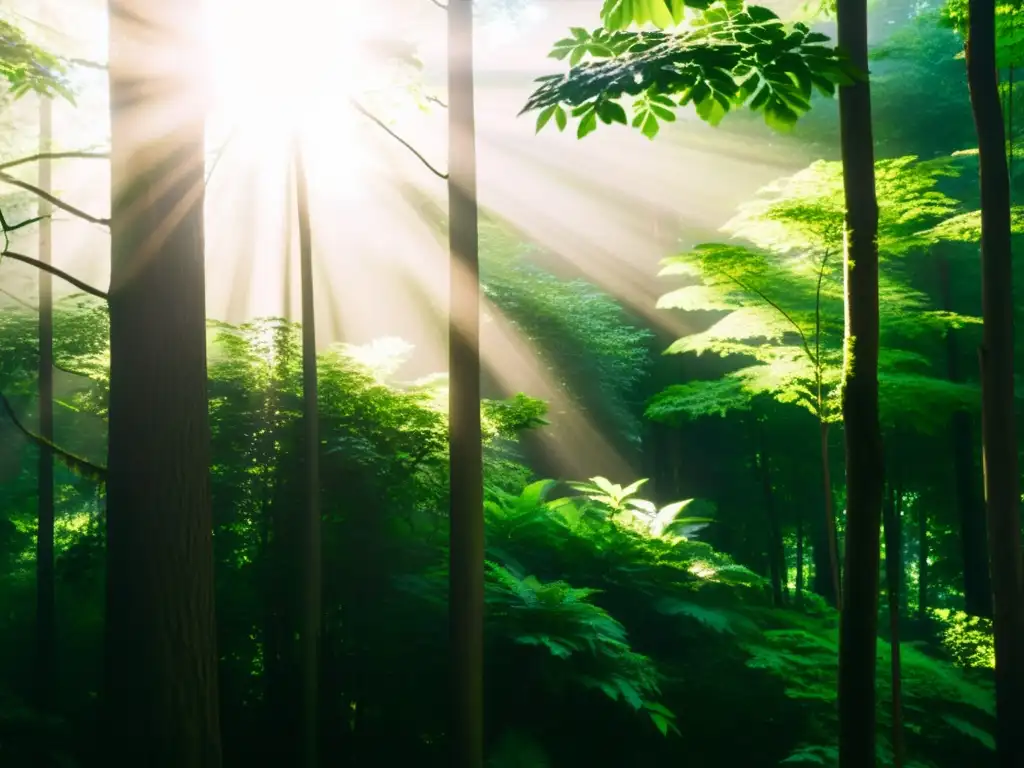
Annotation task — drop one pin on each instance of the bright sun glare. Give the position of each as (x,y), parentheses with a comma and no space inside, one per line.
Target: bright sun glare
(279,76)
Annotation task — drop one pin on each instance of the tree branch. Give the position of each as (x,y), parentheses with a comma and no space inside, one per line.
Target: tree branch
(71,372)
(57,272)
(219,155)
(54,201)
(54,156)
(773,305)
(440,5)
(78,465)
(433,99)
(381,124)
(89,64)
(19,300)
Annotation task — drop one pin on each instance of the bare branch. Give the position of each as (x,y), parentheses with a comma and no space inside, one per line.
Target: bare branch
(7,228)
(54,201)
(381,124)
(57,272)
(435,100)
(440,5)
(76,464)
(71,372)
(54,156)
(19,300)
(220,154)
(88,64)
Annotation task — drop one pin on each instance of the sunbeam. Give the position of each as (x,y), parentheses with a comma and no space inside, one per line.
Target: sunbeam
(606,210)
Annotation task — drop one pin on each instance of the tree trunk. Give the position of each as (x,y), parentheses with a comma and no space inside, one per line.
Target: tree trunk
(835,593)
(309,538)
(893,575)
(799,558)
(466,567)
(46,609)
(776,552)
(160,686)
(997,384)
(822,584)
(970,509)
(922,567)
(864,468)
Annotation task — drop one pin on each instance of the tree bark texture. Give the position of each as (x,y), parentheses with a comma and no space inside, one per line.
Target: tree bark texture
(46,607)
(466,567)
(999,440)
(864,463)
(160,687)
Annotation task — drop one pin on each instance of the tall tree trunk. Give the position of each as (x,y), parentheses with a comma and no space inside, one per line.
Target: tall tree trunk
(835,593)
(309,539)
(466,567)
(864,467)
(822,578)
(160,686)
(970,509)
(997,384)
(776,552)
(799,558)
(46,609)
(893,576)
(922,567)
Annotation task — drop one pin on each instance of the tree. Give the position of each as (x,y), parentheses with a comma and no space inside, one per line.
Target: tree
(310,547)
(1002,492)
(466,568)
(785,311)
(864,466)
(160,687)
(46,608)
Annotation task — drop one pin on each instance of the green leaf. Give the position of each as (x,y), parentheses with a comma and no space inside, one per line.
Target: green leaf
(545,116)
(587,125)
(611,112)
(561,118)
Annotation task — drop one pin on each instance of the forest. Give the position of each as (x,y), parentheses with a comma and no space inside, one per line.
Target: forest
(511,383)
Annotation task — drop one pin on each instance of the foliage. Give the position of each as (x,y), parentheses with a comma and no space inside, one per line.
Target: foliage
(1009,28)
(728,56)
(591,347)
(783,305)
(584,605)
(967,639)
(622,506)
(28,68)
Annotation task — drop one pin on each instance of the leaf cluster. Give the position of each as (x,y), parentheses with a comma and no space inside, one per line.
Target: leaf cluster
(29,68)
(728,57)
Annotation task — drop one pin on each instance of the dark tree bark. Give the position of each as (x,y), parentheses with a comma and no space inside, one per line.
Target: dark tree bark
(309,539)
(46,608)
(776,551)
(823,532)
(833,592)
(1002,493)
(160,686)
(799,558)
(864,467)
(893,577)
(823,583)
(967,488)
(466,590)
(922,567)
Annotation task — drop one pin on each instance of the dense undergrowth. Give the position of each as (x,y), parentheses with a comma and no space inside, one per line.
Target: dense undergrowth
(614,635)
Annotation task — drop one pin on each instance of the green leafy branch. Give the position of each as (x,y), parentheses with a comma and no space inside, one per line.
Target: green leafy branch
(27,68)
(728,58)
